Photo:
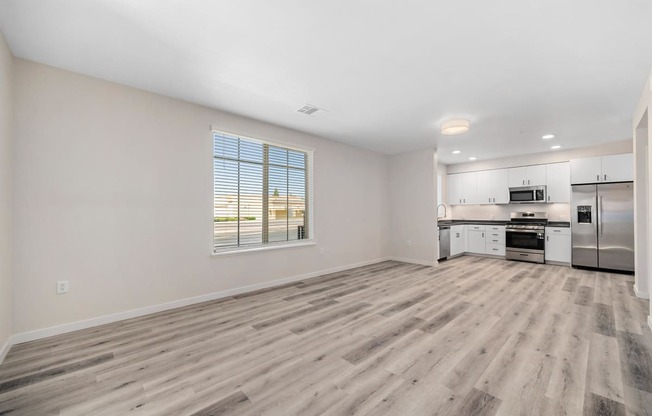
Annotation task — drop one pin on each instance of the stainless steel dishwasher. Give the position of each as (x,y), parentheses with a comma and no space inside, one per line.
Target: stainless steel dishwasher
(444,232)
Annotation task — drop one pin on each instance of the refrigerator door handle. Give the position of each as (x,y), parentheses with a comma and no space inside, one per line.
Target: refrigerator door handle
(601,209)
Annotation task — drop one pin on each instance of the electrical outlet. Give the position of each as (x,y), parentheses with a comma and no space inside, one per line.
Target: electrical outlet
(62,287)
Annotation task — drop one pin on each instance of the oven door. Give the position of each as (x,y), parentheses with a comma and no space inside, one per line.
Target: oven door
(525,240)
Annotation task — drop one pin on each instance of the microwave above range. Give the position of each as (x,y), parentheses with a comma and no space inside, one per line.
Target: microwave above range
(527,195)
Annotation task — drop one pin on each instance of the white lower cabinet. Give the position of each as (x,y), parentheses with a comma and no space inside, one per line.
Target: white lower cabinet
(458,239)
(495,240)
(495,249)
(477,239)
(558,245)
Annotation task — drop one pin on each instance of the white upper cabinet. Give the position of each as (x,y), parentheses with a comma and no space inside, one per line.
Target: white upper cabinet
(455,189)
(618,168)
(470,188)
(586,170)
(536,175)
(462,188)
(493,187)
(517,177)
(601,169)
(501,186)
(558,182)
(527,176)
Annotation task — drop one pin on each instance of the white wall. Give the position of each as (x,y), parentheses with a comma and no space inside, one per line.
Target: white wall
(413,198)
(114,193)
(6,145)
(641,122)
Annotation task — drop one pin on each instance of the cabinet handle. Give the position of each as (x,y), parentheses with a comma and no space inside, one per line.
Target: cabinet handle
(489,199)
(523,181)
(528,181)
(556,231)
(483,234)
(494,199)
(548,198)
(547,238)
(597,177)
(465,200)
(605,177)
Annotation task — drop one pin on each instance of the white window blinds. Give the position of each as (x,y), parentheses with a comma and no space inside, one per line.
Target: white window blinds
(261,193)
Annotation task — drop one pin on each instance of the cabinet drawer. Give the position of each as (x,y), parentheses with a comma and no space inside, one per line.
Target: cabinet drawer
(495,249)
(558,231)
(496,228)
(495,238)
(477,227)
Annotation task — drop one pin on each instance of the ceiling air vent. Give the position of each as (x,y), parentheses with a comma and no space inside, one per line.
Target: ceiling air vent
(308,109)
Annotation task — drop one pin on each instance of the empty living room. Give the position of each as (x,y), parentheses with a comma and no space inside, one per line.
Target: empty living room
(343,208)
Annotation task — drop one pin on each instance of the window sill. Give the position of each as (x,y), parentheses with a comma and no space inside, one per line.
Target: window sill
(269,247)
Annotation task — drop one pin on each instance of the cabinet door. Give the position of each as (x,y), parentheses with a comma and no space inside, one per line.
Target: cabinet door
(558,245)
(536,175)
(477,242)
(618,168)
(500,179)
(485,187)
(470,188)
(558,182)
(517,177)
(454,189)
(457,240)
(586,170)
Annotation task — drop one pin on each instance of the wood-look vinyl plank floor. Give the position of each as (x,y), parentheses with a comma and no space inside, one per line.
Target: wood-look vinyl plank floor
(472,336)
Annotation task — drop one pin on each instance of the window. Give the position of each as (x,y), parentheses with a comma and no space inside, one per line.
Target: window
(261,193)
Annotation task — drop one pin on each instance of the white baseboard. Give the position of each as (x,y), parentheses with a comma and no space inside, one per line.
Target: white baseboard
(135,313)
(5,349)
(415,261)
(639,294)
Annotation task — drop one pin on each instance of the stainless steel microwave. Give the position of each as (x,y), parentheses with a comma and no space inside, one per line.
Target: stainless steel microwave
(527,195)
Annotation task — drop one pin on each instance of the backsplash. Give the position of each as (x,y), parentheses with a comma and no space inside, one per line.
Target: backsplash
(556,212)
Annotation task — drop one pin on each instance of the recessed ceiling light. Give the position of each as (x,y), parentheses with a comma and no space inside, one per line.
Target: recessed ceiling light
(548,136)
(456,152)
(472,158)
(455,126)
(555,147)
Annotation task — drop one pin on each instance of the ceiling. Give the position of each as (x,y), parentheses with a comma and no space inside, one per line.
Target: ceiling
(386,72)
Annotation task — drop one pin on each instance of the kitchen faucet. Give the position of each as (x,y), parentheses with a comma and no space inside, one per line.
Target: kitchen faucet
(441,205)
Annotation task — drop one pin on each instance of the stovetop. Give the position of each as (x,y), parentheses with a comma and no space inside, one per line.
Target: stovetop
(527,220)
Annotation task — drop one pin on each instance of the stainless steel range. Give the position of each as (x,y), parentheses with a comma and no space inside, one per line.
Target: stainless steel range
(525,236)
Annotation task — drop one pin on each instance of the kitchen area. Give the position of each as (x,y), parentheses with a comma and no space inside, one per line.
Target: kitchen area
(578,213)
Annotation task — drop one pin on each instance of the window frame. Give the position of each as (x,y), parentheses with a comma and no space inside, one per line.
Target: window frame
(306,242)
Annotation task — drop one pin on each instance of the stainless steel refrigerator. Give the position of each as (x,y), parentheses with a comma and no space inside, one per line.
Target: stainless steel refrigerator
(603,226)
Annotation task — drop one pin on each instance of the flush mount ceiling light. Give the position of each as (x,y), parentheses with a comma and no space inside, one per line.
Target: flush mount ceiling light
(456,152)
(472,158)
(548,136)
(555,147)
(455,126)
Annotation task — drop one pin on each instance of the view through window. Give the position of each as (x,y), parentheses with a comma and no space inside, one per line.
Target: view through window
(260,192)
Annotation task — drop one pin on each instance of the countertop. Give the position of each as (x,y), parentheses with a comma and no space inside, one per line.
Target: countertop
(560,224)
